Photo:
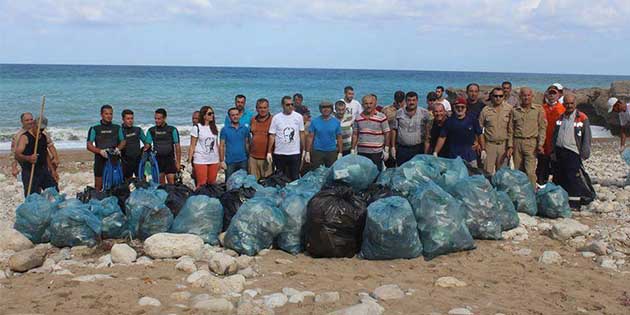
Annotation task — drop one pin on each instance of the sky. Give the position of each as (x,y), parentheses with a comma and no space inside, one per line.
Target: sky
(543,36)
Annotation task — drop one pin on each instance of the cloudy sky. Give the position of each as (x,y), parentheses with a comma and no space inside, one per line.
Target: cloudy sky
(549,36)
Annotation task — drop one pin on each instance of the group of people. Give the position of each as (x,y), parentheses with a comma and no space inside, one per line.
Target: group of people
(552,138)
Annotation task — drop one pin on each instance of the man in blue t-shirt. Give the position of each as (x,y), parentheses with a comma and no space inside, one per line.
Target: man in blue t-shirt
(463,133)
(234,148)
(324,145)
(245,116)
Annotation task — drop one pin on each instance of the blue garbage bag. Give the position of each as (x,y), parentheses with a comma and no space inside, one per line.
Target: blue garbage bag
(625,155)
(391,230)
(354,170)
(113,221)
(51,194)
(441,221)
(553,202)
(309,184)
(240,179)
(406,179)
(291,239)
(32,217)
(271,193)
(506,212)
(516,184)
(148,213)
(479,199)
(200,215)
(385,177)
(254,226)
(74,226)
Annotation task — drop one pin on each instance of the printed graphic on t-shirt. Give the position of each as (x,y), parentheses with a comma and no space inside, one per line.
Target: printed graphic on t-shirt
(209,144)
(288,135)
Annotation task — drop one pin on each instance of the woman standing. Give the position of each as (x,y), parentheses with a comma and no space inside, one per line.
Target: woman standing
(204,148)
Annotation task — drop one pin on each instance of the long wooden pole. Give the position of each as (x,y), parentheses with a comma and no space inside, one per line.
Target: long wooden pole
(39,125)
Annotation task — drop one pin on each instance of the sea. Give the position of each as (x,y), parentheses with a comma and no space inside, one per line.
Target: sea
(74,93)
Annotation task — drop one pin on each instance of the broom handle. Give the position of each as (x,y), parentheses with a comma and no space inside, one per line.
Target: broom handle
(39,124)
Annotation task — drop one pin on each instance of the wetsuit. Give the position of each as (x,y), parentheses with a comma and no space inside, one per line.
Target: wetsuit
(163,138)
(104,136)
(42,178)
(132,153)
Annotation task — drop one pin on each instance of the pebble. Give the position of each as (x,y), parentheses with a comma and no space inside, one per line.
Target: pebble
(281,261)
(290,291)
(550,257)
(92,278)
(248,273)
(388,292)
(327,297)
(566,228)
(364,308)
(169,245)
(82,251)
(145,261)
(607,263)
(588,254)
(518,234)
(263,252)
(244,261)
(251,293)
(214,305)
(149,301)
(223,264)
(197,275)
(449,282)
(460,311)
(186,265)
(526,220)
(251,307)
(105,261)
(598,247)
(181,296)
(275,300)
(62,254)
(27,259)
(524,252)
(123,254)
(11,239)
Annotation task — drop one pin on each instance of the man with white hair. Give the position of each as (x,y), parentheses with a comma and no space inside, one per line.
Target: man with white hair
(560,92)
(623,110)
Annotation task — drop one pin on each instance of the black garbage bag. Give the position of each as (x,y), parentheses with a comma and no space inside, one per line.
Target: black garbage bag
(375,192)
(335,219)
(177,195)
(232,200)
(210,190)
(90,193)
(123,191)
(277,179)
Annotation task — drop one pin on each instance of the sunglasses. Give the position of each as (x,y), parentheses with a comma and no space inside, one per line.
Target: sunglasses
(497,95)
(288,104)
(209,113)
(552,92)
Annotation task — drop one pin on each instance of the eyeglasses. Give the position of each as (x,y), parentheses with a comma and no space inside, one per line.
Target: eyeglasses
(497,95)
(209,113)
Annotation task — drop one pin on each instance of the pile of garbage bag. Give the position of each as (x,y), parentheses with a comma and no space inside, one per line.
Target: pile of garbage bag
(553,202)
(210,190)
(202,216)
(176,196)
(391,230)
(32,217)
(354,170)
(74,225)
(148,213)
(113,220)
(517,185)
(479,200)
(291,238)
(240,179)
(232,200)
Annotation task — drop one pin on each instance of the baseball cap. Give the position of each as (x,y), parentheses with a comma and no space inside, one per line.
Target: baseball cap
(553,87)
(611,103)
(460,100)
(558,86)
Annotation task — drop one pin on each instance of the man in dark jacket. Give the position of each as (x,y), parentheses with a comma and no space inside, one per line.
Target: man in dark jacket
(571,146)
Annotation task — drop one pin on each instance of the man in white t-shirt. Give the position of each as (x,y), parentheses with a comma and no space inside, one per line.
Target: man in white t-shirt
(439,90)
(353,107)
(287,134)
(623,109)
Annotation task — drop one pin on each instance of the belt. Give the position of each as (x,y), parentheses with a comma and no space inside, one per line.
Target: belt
(496,142)
(409,146)
(525,138)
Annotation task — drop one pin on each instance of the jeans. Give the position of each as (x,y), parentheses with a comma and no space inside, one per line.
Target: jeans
(405,153)
(377,158)
(233,167)
(289,165)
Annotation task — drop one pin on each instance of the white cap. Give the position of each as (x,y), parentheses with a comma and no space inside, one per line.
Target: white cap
(611,103)
(559,86)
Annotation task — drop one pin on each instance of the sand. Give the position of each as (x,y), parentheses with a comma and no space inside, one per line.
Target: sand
(501,276)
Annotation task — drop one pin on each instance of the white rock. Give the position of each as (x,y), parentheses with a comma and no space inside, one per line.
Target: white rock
(27,259)
(275,300)
(186,265)
(514,233)
(366,308)
(250,293)
(47,267)
(11,239)
(181,296)
(388,292)
(598,247)
(296,298)
(588,254)
(105,261)
(62,254)
(230,252)
(524,252)
(544,227)
(527,220)
(168,245)
(449,282)
(197,276)
(149,301)
(620,262)
(145,261)
(123,254)
(200,297)
(263,252)
(460,311)
(327,297)
(606,263)
(244,261)
(235,283)
(223,264)
(290,291)
(248,272)
(253,307)
(215,305)
(550,257)
(92,278)
(568,228)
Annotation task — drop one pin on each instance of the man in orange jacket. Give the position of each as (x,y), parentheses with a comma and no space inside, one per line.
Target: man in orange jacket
(553,111)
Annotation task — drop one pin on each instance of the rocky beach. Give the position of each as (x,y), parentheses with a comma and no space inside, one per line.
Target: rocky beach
(544,266)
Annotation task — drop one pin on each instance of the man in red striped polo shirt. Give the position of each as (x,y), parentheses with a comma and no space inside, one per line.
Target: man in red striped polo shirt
(370,136)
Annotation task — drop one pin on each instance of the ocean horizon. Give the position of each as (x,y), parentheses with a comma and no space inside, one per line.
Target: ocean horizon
(74,93)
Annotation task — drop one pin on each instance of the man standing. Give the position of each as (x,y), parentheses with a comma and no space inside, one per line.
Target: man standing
(495,121)
(302,109)
(553,111)
(439,120)
(560,92)
(31,157)
(572,145)
(463,133)
(507,92)
(352,106)
(101,137)
(324,143)
(439,91)
(390,112)
(346,126)
(234,146)
(623,110)
(371,133)
(475,105)
(165,141)
(528,130)
(432,99)
(26,119)
(259,141)
(195,117)
(287,134)
(244,114)
(131,154)
(410,130)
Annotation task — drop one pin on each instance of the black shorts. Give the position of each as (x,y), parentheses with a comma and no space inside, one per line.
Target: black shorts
(130,166)
(167,164)
(99,165)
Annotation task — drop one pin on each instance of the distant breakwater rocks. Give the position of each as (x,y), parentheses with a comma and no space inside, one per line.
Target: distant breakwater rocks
(591,101)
